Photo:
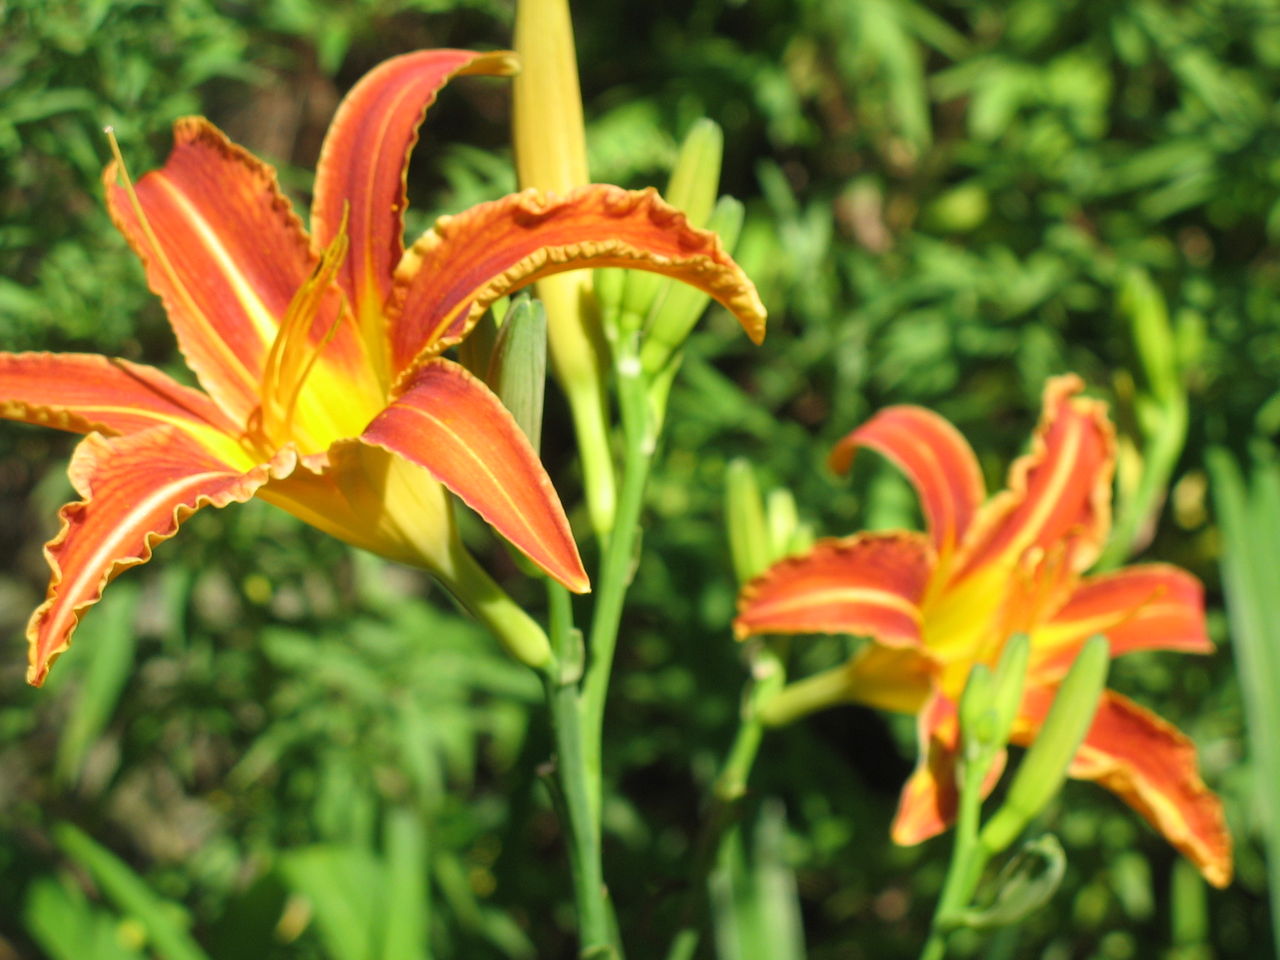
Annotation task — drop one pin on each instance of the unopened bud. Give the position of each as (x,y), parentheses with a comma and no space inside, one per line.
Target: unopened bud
(692,189)
(1144,305)
(609,288)
(1044,768)
(785,528)
(695,179)
(518,365)
(1007,682)
(975,712)
(684,304)
(476,350)
(745,519)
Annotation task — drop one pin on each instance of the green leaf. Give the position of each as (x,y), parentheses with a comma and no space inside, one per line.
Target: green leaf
(105,661)
(130,894)
(1025,885)
(407,907)
(347,891)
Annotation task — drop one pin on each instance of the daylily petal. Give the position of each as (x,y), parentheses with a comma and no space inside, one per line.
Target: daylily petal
(1152,766)
(137,489)
(930,797)
(890,678)
(1059,493)
(458,268)
(84,391)
(223,250)
(372,499)
(1147,607)
(450,423)
(362,169)
(868,585)
(936,459)
(927,804)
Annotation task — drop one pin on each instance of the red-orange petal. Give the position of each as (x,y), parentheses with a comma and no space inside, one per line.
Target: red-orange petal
(936,459)
(458,268)
(451,424)
(1059,494)
(1152,766)
(363,163)
(223,250)
(930,797)
(1148,607)
(136,490)
(84,391)
(870,584)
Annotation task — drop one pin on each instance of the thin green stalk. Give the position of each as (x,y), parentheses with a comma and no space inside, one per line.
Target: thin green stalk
(576,783)
(619,556)
(968,858)
(726,796)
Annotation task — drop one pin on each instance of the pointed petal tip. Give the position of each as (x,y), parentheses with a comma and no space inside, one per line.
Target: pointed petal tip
(453,426)
(578,583)
(936,459)
(495,63)
(137,490)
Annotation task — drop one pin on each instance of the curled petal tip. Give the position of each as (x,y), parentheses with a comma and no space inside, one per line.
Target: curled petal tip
(496,63)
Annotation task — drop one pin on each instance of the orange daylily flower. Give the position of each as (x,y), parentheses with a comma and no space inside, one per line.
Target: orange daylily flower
(938,604)
(320,357)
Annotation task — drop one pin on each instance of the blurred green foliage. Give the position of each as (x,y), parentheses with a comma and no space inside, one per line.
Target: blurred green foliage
(264,744)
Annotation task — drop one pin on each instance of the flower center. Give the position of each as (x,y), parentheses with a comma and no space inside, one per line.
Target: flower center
(295,350)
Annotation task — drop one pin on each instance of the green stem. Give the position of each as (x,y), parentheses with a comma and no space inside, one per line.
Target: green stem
(583,826)
(726,800)
(619,556)
(968,858)
(805,696)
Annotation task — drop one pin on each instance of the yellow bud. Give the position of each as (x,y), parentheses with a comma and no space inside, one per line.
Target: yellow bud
(551,154)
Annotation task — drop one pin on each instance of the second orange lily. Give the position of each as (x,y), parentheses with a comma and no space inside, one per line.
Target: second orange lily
(938,604)
(324,388)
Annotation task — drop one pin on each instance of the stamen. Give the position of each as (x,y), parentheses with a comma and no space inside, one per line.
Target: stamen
(291,360)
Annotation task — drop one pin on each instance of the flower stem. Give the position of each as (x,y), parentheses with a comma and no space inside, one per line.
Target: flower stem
(805,696)
(583,825)
(619,555)
(968,858)
(726,801)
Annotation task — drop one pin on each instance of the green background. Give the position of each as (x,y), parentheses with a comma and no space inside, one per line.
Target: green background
(267,745)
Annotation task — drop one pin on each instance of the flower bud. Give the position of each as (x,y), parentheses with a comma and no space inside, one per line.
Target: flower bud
(694,184)
(976,714)
(787,535)
(1043,769)
(745,519)
(518,365)
(1007,682)
(1144,305)
(551,154)
(683,304)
